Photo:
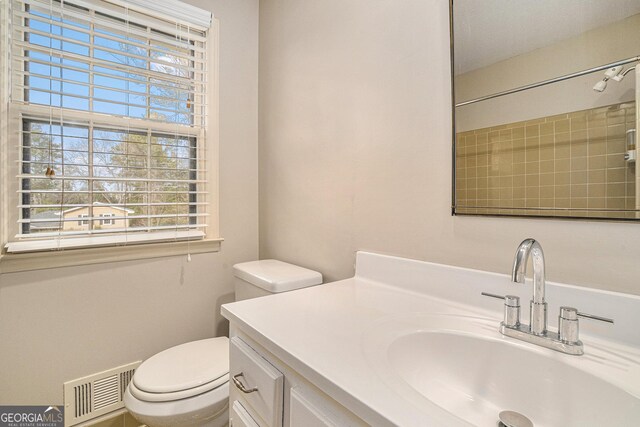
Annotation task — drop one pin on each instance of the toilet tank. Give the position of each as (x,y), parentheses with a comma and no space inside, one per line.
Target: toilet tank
(269,276)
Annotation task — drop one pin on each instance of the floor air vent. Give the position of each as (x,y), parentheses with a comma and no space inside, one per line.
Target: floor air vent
(98,394)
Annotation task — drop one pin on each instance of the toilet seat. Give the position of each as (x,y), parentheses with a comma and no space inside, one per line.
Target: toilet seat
(177,395)
(182,371)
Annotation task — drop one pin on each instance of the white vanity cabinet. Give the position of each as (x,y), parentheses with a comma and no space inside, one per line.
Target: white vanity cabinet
(268,393)
(258,384)
(374,349)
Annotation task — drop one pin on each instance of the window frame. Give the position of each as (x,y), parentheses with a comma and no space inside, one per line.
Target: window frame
(9,140)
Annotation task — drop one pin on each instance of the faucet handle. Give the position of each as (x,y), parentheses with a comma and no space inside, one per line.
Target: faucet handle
(511,308)
(570,313)
(568,323)
(594,317)
(510,300)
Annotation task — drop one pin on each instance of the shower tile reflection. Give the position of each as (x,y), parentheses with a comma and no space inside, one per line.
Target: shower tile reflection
(564,165)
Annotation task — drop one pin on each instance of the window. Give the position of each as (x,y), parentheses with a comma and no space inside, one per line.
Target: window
(110,108)
(107,221)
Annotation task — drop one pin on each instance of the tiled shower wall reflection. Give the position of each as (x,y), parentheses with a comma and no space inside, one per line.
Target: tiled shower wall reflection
(566,165)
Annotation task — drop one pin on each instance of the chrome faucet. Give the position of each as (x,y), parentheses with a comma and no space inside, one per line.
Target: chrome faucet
(538,313)
(566,340)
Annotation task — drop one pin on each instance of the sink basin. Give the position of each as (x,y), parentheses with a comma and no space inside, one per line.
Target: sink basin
(465,367)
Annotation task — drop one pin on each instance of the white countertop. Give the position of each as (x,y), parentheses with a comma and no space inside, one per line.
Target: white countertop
(320,331)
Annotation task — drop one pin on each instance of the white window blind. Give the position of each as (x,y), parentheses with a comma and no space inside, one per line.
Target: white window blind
(111,105)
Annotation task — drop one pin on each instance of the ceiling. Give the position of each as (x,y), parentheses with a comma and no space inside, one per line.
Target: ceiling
(489,31)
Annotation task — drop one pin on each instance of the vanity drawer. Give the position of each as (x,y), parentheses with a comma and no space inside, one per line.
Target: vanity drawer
(257,381)
(240,417)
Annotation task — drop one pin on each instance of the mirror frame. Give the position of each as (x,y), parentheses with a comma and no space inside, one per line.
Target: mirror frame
(453,153)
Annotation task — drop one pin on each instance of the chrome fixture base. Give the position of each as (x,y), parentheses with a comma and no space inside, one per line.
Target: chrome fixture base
(548,339)
(566,339)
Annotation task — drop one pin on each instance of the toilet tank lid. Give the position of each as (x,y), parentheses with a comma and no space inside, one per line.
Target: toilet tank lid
(276,276)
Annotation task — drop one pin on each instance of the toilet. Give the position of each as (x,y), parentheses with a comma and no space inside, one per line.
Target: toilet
(188,385)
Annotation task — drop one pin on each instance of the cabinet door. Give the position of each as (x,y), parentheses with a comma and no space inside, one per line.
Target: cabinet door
(303,413)
(239,416)
(259,383)
(309,407)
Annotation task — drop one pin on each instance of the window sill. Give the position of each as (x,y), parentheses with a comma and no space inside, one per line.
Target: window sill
(11,263)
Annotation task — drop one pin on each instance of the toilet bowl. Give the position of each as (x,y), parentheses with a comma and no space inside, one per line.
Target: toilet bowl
(188,385)
(210,409)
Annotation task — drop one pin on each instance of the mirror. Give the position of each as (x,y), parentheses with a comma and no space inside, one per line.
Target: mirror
(545,108)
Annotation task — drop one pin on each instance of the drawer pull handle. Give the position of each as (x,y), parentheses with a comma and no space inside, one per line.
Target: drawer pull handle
(241,386)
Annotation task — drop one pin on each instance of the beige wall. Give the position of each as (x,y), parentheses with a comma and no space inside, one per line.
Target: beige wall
(64,323)
(355,151)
